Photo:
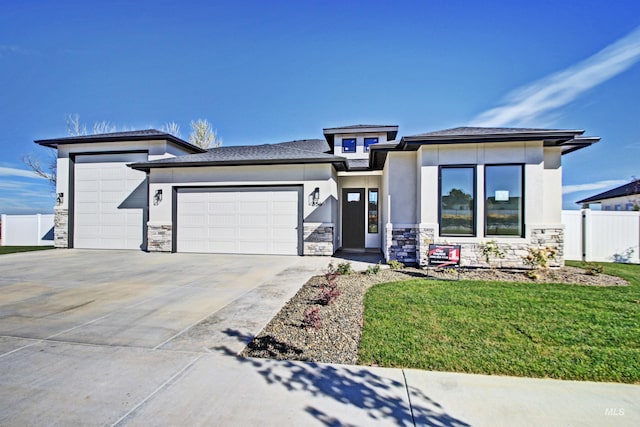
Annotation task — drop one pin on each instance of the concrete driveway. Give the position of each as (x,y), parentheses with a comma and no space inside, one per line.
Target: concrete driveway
(84,329)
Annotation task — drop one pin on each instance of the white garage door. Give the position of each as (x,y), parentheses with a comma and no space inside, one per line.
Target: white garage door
(238,221)
(110,202)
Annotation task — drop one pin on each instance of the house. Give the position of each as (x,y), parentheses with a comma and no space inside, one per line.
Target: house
(359,188)
(623,198)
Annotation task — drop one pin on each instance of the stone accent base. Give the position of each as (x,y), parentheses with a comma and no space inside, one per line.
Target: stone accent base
(159,238)
(410,245)
(318,239)
(403,245)
(61,228)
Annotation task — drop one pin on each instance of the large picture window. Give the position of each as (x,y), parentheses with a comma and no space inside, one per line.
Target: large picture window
(457,200)
(504,200)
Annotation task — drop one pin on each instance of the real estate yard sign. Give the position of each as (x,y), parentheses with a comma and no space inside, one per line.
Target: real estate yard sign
(444,255)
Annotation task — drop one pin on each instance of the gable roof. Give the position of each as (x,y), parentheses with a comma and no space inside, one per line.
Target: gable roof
(629,189)
(136,135)
(266,154)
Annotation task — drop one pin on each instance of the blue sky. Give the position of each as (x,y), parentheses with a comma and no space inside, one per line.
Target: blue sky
(279,70)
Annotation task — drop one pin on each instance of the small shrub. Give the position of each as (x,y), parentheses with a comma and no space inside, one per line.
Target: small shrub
(373,269)
(532,274)
(344,268)
(491,249)
(592,269)
(328,295)
(395,265)
(539,258)
(311,318)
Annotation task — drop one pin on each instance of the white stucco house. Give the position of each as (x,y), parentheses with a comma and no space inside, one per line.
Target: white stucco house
(359,188)
(623,198)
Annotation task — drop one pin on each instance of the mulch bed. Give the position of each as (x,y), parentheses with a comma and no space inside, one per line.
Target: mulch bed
(337,339)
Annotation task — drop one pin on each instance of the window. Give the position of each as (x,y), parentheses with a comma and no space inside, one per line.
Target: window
(629,206)
(618,207)
(503,191)
(457,200)
(368,142)
(349,145)
(373,211)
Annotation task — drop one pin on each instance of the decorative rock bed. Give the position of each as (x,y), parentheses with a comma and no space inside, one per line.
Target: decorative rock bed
(337,339)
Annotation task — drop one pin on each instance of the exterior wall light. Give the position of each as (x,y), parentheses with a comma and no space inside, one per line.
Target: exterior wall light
(157,198)
(314,197)
(59,199)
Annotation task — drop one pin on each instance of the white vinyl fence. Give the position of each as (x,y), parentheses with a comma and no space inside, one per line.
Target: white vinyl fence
(27,230)
(610,236)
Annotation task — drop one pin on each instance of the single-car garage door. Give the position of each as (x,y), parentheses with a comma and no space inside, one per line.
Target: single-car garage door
(252,220)
(110,202)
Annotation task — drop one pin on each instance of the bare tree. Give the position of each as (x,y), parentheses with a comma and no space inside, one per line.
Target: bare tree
(74,128)
(103,127)
(203,135)
(172,128)
(46,169)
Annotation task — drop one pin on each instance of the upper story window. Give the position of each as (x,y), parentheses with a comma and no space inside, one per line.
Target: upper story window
(349,145)
(504,204)
(368,142)
(457,200)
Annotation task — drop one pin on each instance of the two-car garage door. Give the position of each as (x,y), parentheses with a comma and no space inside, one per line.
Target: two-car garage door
(251,220)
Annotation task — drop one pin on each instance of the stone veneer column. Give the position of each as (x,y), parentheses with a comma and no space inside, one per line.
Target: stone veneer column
(403,246)
(318,239)
(426,236)
(61,228)
(159,238)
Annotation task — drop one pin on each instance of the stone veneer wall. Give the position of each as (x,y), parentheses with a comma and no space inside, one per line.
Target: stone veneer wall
(318,239)
(403,244)
(61,228)
(159,238)
(410,245)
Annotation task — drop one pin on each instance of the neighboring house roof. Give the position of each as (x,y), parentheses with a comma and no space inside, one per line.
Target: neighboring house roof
(136,135)
(390,130)
(630,189)
(282,153)
(568,140)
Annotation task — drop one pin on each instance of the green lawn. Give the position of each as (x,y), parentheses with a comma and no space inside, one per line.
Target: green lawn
(534,330)
(14,249)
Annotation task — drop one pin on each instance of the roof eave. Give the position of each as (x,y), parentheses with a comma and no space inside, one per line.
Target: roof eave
(54,143)
(148,166)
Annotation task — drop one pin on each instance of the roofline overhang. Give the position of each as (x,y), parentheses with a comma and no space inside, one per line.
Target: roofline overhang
(54,143)
(339,164)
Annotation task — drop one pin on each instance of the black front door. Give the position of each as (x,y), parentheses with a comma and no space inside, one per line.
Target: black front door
(353,218)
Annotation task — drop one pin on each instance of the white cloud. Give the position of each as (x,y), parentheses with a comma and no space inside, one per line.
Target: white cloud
(528,104)
(4,171)
(593,186)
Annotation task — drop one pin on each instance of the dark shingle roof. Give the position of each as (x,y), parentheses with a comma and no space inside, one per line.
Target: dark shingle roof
(134,135)
(629,189)
(319,145)
(283,153)
(358,164)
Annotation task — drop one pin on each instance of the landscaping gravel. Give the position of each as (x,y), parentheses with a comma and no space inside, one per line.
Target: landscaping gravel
(337,337)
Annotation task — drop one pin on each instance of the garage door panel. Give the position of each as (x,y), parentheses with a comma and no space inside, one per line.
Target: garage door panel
(239,221)
(110,201)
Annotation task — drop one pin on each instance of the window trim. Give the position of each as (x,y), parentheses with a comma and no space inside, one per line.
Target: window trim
(355,145)
(366,147)
(474,212)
